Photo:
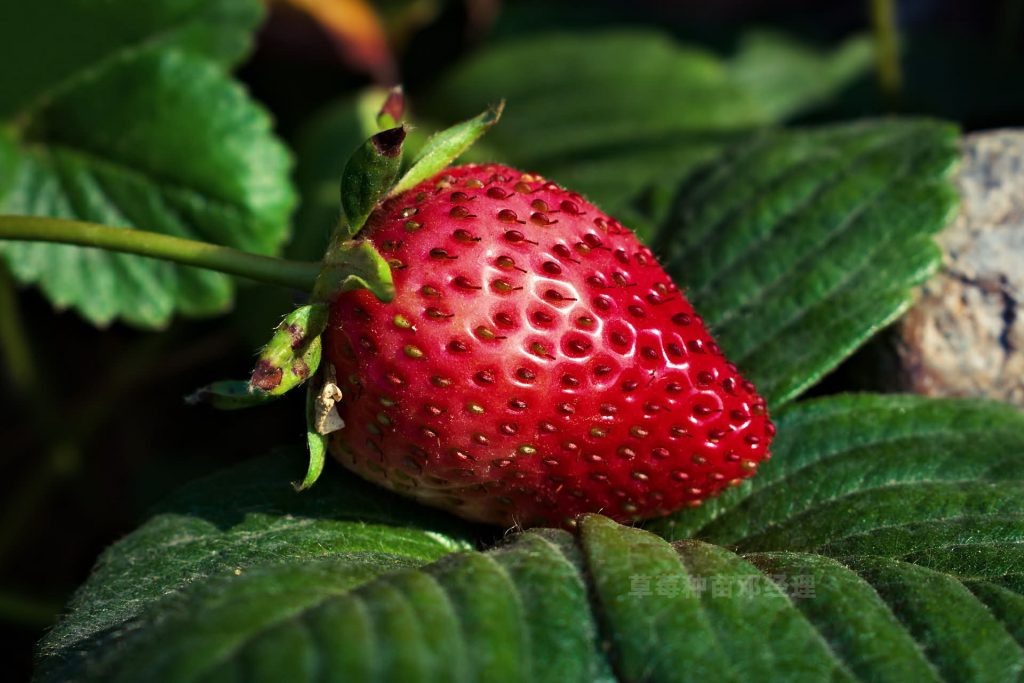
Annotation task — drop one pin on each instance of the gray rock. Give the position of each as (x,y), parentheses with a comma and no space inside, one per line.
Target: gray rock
(965,336)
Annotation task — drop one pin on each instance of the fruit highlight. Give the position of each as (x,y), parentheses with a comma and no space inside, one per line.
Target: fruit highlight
(536,362)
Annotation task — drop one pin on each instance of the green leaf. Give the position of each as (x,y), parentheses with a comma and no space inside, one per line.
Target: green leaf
(244,528)
(912,510)
(881,542)
(851,616)
(185,152)
(641,590)
(81,36)
(369,175)
(442,148)
(785,77)
(798,246)
(956,631)
(464,618)
(646,586)
(609,113)
(288,585)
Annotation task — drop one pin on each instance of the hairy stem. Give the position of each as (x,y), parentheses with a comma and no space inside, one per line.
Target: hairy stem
(275,271)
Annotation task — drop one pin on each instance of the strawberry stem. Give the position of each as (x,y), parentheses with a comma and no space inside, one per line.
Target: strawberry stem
(268,269)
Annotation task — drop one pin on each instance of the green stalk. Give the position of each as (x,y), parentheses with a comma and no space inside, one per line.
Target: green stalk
(275,271)
(887,47)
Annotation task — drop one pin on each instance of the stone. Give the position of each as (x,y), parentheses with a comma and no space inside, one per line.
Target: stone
(965,335)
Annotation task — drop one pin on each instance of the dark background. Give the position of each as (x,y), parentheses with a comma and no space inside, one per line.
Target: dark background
(94,430)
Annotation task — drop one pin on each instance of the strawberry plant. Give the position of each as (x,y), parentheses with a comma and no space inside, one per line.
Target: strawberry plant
(560,351)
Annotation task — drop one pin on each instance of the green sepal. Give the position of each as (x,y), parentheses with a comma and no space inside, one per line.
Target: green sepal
(293,354)
(229,394)
(443,148)
(354,264)
(393,109)
(369,174)
(322,393)
(315,441)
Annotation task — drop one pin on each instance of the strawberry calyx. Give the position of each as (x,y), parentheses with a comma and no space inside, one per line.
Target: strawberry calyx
(441,149)
(370,173)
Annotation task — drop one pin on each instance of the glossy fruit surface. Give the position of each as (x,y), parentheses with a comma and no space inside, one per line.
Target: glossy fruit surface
(536,362)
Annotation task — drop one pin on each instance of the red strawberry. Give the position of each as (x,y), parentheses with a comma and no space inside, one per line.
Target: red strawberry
(536,362)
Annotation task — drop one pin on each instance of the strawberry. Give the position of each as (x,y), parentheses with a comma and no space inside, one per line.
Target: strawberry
(535,363)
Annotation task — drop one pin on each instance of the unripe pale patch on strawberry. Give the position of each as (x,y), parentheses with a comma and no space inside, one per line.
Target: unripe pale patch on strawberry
(536,362)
